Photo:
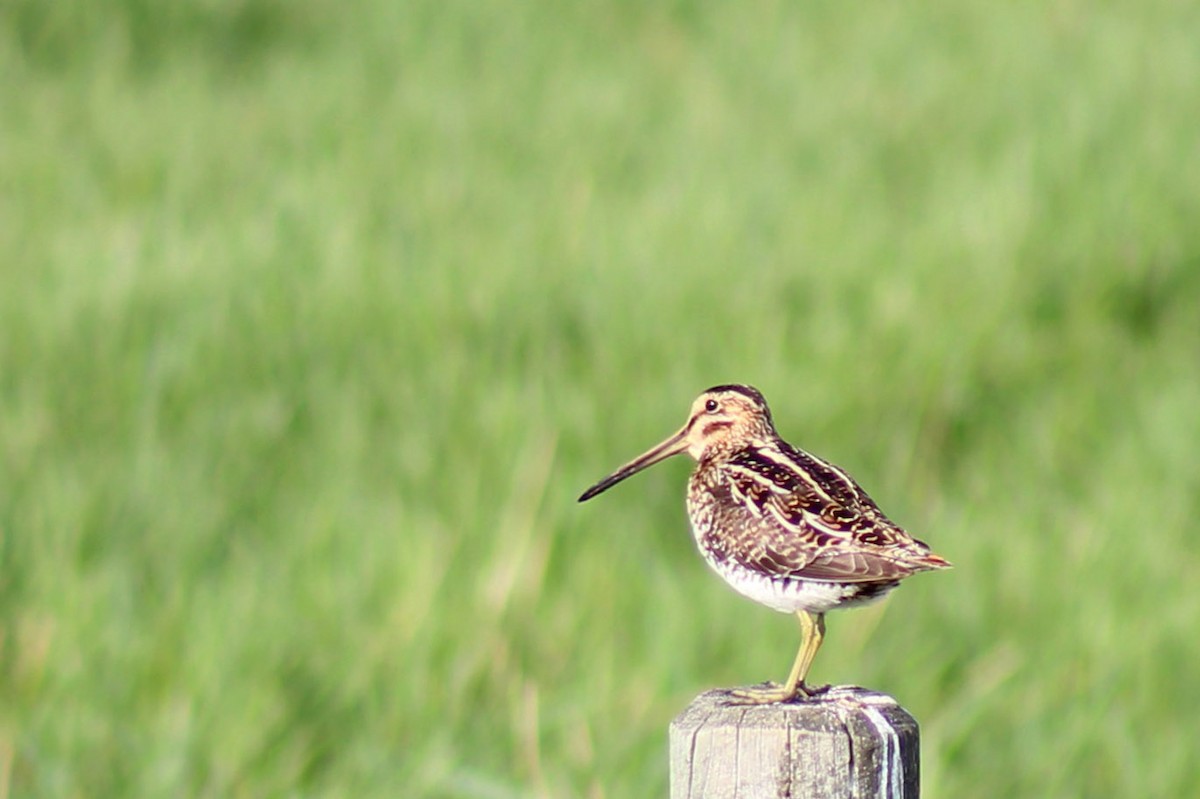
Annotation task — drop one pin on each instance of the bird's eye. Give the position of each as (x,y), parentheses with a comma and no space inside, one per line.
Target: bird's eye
(711,406)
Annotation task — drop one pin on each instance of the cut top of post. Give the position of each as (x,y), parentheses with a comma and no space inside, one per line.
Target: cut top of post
(846,743)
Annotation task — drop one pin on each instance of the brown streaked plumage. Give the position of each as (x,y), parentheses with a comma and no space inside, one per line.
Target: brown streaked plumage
(781,526)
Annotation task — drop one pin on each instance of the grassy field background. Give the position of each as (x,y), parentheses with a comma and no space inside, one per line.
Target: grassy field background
(316,317)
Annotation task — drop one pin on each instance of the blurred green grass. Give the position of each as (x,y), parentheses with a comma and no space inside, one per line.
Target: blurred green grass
(317,317)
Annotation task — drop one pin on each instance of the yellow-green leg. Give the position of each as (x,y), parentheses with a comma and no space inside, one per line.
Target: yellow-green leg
(812,633)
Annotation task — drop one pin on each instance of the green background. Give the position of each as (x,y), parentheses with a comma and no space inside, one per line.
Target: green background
(316,317)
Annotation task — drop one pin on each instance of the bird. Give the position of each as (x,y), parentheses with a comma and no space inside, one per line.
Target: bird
(783,527)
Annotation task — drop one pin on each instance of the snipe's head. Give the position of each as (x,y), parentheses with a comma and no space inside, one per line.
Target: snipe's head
(723,419)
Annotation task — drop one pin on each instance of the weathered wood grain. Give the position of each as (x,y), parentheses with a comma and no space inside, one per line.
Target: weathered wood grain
(848,743)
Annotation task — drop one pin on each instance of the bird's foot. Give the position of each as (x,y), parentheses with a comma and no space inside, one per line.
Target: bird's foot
(771,693)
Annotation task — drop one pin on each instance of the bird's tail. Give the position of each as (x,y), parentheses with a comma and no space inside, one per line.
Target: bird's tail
(932,561)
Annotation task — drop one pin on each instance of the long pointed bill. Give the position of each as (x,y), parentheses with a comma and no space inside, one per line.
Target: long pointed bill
(672,446)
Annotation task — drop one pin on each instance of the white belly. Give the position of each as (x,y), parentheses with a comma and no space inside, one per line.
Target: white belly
(787,595)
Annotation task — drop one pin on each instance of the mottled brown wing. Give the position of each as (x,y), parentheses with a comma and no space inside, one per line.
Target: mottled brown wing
(795,515)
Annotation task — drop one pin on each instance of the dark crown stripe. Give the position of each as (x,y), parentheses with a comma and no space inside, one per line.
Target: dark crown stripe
(738,388)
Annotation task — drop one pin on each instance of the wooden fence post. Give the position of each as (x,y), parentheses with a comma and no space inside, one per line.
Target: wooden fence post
(848,743)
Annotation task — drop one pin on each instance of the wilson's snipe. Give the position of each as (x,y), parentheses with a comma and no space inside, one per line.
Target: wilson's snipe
(783,527)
